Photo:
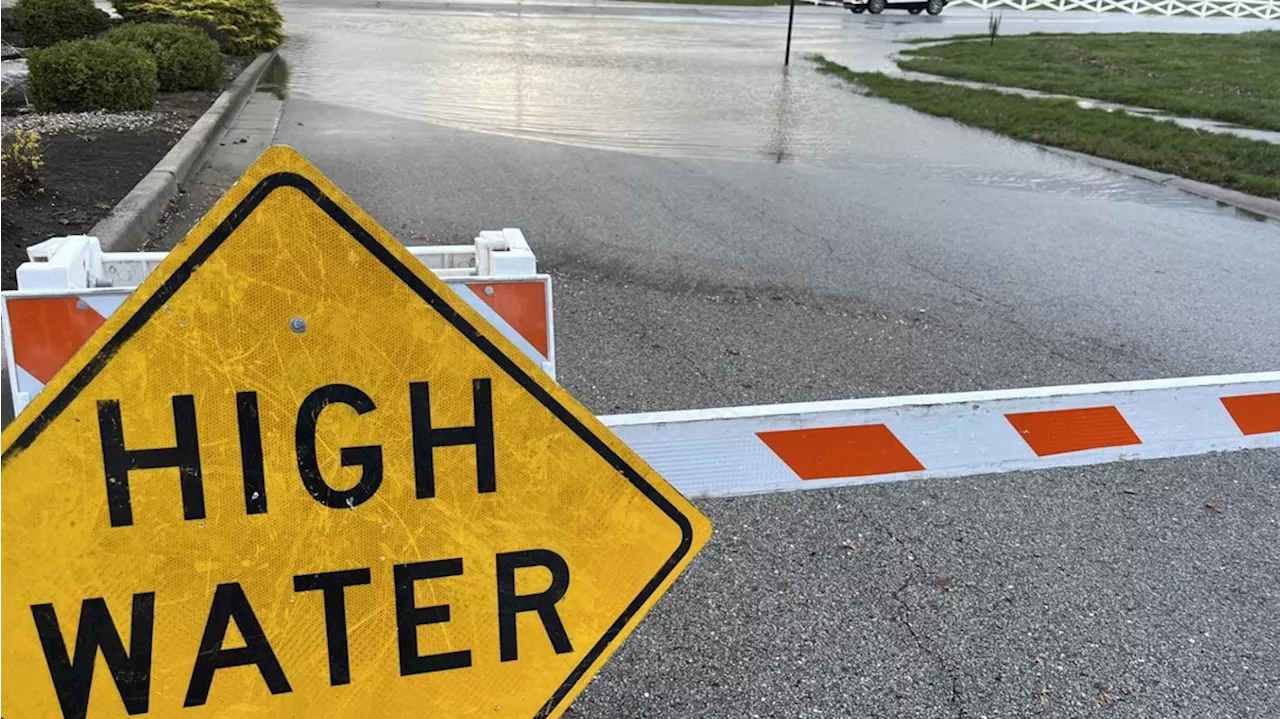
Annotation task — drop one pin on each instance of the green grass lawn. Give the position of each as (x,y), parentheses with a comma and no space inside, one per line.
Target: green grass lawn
(1250,166)
(1232,78)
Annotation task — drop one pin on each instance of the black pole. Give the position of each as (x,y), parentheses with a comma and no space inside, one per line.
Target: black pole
(791,18)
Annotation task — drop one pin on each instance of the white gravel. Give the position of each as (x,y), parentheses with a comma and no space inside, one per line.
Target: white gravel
(97,121)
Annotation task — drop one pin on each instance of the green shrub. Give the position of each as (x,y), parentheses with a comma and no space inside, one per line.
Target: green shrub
(186,58)
(46,22)
(242,27)
(91,75)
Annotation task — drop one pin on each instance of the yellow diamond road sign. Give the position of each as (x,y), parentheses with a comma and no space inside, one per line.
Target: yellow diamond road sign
(294,475)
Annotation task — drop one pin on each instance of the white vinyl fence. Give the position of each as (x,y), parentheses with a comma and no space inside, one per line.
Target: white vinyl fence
(1264,9)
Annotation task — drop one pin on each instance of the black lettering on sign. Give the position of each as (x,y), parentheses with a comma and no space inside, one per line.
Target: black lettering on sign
(255,483)
(409,617)
(334,585)
(544,603)
(229,603)
(426,438)
(118,461)
(72,676)
(368,457)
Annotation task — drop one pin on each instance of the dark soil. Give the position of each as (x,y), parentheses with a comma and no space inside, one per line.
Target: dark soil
(83,179)
(87,173)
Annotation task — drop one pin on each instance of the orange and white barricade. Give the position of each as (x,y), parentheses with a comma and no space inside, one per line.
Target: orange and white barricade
(752,450)
(68,289)
(71,286)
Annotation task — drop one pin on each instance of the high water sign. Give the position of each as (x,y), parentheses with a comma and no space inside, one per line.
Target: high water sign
(295,475)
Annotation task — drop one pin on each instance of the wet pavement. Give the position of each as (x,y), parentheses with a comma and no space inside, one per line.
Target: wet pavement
(248,135)
(721,232)
(665,81)
(665,147)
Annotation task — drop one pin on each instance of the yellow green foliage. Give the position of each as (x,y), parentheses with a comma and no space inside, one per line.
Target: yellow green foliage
(242,27)
(21,160)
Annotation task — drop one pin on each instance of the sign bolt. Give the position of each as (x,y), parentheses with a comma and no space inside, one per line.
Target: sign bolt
(297,324)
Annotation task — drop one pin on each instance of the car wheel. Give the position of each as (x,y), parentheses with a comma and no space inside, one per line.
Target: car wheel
(875,7)
(935,6)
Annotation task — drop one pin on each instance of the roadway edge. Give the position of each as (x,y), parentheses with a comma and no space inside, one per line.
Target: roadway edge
(1264,206)
(126,226)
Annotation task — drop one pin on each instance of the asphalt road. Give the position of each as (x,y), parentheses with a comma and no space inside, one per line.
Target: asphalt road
(721,232)
(692,199)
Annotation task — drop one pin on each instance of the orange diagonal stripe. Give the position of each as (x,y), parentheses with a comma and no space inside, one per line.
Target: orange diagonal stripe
(1071,430)
(523,305)
(1255,413)
(831,452)
(47,331)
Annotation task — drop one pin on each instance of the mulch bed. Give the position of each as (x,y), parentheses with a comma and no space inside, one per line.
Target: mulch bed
(90,166)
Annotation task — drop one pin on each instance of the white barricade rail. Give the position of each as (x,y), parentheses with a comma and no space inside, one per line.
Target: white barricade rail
(71,286)
(752,450)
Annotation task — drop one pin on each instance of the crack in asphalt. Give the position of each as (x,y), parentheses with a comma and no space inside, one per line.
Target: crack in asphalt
(1008,320)
(904,617)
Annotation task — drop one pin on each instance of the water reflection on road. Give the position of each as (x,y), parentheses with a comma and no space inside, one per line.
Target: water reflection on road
(663,84)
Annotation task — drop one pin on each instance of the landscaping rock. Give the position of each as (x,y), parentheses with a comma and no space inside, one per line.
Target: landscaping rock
(13,79)
(92,122)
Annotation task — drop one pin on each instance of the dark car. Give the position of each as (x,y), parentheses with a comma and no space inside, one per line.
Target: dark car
(875,7)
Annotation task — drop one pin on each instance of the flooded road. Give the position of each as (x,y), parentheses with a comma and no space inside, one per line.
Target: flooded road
(721,233)
(670,82)
(667,144)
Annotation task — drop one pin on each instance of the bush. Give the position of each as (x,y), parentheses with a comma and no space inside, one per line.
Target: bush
(242,27)
(21,160)
(186,58)
(46,22)
(91,75)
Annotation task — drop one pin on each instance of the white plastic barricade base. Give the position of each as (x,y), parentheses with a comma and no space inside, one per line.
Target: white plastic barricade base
(70,287)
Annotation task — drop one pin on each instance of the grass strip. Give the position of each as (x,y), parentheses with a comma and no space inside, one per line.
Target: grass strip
(1231,78)
(922,40)
(1238,163)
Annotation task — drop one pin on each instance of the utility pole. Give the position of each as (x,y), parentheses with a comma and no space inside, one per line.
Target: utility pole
(791,19)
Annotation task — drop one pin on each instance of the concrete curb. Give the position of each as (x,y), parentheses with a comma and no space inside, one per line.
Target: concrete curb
(1263,206)
(126,226)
